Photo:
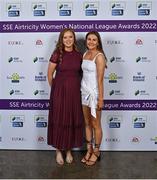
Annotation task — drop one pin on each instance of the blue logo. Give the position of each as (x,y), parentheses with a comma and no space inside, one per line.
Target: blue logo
(91,9)
(139,121)
(13,10)
(65,9)
(39,9)
(17,121)
(144,8)
(41,121)
(114,121)
(117,8)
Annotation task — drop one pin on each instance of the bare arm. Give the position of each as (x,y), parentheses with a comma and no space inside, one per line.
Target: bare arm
(50,72)
(100,65)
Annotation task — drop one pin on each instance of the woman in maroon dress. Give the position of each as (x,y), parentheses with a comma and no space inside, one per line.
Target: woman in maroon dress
(65,123)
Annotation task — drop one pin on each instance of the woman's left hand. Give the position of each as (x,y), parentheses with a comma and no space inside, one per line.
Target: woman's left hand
(100,104)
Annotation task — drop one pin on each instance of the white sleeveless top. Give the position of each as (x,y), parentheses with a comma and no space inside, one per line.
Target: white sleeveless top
(89,85)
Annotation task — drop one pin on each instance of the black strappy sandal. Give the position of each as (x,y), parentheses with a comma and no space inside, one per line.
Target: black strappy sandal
(88,153)
(95,153)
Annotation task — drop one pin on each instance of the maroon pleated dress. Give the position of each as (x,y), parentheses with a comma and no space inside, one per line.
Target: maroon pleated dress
(65,123)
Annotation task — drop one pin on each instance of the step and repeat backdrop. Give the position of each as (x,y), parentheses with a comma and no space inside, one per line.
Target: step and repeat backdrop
(29,31)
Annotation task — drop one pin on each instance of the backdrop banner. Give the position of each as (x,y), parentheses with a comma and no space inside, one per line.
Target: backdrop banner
(29,31)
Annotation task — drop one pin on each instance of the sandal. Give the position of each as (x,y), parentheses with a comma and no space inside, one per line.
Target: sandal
(88,153)
(94,157)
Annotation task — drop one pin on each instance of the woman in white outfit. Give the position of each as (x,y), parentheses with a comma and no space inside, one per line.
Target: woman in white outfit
(92,88)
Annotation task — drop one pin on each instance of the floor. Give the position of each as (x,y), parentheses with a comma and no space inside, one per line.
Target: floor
(113,165)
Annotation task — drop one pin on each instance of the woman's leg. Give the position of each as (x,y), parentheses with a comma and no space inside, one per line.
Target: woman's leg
(96,124)
(88,132)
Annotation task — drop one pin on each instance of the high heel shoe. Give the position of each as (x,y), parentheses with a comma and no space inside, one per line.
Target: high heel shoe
(92,162)
(88,153)
(94,157)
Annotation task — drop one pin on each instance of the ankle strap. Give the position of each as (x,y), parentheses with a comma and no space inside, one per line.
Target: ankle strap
(97,146)
(89,142)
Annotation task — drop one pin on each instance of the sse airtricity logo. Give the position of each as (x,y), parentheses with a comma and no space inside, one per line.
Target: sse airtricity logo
(13,9)
(39,9)
(117,8)
(142,59)
(14,59)
(40,121)
(114,121)
(144,8)
(40,60)
(91,9)
(17,120)
(140,92)
(139,121)
(65,9)
(116,59)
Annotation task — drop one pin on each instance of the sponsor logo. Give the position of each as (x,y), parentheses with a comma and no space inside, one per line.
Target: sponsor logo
(17,120)
(135,140)
(39,43)
(114,121)
(13,9)
(41,139)
(114,42)
(65,9)
(18,139)
(116,59)
(139,42)
(40,59)
(40,77)
(117,8)
(15,43)
(41,121)
(142,59)
(144,8)
(139,121)
(139,77)
(112,140)
(116,93)
(14,59)
(113,77)
(15,78)
(15,92)
(141,93)
(91,9)
(40,92)
(154,139)
(39,9)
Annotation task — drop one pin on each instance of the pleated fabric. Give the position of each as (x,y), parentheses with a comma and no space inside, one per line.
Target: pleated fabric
(65,122)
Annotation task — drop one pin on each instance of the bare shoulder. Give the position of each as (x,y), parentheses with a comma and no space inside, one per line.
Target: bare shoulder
(100,58)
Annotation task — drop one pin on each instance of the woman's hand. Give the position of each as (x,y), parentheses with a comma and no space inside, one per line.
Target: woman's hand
(100,104)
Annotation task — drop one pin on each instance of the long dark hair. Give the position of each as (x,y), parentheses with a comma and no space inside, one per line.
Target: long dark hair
(99,47)
(60,46)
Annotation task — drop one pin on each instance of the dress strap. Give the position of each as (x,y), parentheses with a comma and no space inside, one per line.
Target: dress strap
(96,56)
